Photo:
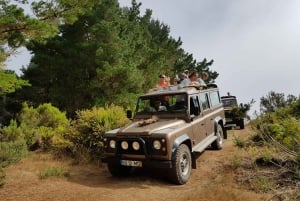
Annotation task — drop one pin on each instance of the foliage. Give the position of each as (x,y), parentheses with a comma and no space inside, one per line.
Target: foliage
(37,125)
(274,100)
(9,82)
(241,110)
(109,55)
(238,142)
(2,177)
(262,184)
(54,172)
(279,127)
(12,132)
(12,151)
(86,131)
(18,26)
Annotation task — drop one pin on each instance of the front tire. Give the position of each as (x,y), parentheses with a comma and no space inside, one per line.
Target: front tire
(181,165)
(218,143)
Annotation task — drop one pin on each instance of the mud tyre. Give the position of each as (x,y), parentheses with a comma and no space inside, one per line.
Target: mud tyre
(218,143)
(181,165)
(241,124)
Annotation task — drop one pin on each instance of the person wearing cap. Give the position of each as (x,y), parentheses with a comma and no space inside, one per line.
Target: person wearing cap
(163,81)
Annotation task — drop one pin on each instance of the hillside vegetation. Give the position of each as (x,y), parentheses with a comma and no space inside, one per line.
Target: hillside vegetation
(268,160)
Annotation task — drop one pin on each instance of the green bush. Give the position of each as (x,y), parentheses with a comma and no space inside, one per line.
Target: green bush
(12,152)
(11,132)
(2,177)
(86,131)
(42,124)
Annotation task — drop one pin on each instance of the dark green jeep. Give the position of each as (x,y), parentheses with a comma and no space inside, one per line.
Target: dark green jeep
(232,114)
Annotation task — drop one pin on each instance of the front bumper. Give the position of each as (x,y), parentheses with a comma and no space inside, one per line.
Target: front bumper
(145,163)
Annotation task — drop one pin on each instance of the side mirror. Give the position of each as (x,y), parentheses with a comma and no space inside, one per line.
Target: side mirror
(129,114)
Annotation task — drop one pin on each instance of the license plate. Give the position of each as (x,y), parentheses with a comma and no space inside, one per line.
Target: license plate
(131,163)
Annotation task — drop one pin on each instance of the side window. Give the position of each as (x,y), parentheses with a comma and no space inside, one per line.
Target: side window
(214,98)
(204,101)
(194,105)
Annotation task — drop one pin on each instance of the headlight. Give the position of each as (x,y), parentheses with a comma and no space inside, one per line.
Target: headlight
(124,145)
(156,144)
(135,145)
(112,144)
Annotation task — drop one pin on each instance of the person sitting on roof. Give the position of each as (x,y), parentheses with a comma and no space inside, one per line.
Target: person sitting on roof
(193,79)
(203,79)
(163,81)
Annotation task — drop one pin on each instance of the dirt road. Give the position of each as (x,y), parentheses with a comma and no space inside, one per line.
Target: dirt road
(211,181)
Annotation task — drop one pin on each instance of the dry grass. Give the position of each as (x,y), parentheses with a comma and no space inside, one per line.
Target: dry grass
(227,175)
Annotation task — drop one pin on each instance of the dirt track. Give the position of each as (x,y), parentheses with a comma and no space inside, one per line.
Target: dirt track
(211,181)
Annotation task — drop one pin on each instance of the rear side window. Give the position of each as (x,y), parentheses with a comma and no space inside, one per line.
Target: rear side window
(204,101)
(214,98)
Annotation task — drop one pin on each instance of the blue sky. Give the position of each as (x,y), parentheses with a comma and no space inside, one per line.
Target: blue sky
(254,43)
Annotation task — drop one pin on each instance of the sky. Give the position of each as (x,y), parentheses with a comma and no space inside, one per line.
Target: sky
(255,44)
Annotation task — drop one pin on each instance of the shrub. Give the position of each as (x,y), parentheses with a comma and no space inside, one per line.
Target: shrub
(53,172)
(263,184)
(239,142)
(12,152)
(2,177)
(86,131)
(11,132)
(41,124)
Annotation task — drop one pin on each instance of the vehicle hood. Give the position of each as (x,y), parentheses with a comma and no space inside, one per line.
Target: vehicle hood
(159,126)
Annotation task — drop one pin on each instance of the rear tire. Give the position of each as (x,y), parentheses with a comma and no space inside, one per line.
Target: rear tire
(218,143)
(181,165)
(241,124)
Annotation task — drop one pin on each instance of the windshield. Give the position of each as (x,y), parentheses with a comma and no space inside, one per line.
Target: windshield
(162,103)
(229,102)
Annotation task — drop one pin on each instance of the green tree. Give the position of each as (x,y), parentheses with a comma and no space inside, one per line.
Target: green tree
(109,55)
(9,83)
(274,100)
(187,62)
(17,28)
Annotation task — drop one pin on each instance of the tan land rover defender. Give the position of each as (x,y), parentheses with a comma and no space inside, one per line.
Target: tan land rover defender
(170,126)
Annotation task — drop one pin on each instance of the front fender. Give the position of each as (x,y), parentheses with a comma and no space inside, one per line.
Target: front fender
(178,141)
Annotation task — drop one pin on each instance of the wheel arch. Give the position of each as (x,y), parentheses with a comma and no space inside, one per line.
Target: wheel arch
(220,121)
(183,139)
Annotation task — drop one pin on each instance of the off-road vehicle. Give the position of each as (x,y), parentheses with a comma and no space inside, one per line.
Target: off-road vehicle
(192,119)
(232,115)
